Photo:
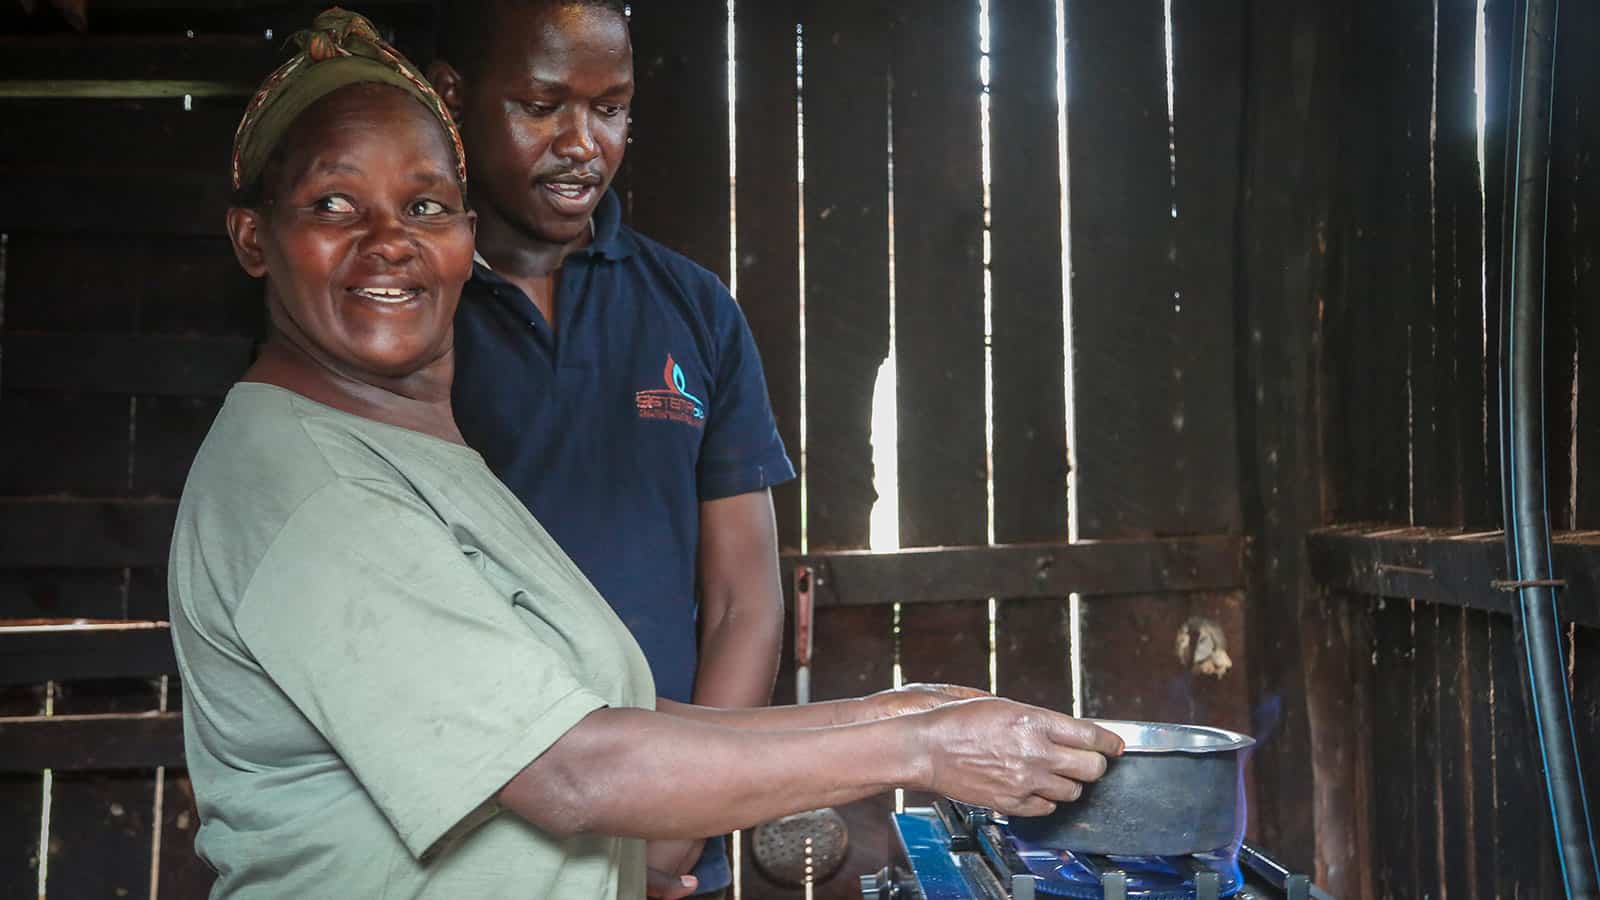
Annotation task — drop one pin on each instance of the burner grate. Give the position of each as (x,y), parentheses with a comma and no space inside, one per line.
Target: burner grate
(957,852)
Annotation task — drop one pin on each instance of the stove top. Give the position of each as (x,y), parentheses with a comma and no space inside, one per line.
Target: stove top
(950,851)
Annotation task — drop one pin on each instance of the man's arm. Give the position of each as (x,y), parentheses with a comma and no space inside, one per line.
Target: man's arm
(741,601)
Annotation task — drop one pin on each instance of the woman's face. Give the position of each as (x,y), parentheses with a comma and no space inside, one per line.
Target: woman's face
(365,240)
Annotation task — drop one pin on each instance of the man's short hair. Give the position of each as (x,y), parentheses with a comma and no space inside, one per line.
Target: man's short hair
(466,26)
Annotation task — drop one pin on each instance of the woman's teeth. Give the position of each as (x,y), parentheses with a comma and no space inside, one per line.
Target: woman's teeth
(386,295)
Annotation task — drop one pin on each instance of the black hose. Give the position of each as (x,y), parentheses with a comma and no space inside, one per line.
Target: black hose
(1527,517)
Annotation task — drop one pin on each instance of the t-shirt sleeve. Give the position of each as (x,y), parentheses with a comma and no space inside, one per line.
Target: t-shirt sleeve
(742,451)
(369,615)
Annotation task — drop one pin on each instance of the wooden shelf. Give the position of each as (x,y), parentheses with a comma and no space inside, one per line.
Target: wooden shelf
(1449,567)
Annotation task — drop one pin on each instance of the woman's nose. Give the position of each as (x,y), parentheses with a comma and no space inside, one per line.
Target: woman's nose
(387,238)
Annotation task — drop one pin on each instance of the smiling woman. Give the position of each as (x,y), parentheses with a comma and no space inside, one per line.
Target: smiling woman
(396,682)
(365,245)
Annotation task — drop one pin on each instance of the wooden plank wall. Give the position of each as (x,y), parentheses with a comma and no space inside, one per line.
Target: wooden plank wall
(1408,334)
(1152,207)
(113,248)
(1153,203)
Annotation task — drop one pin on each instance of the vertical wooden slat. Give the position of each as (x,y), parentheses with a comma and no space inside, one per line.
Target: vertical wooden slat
(1525,865)
(101,822)
(1305,764)
(1448,464)
(1033,636)
(847,262)
(1572,327)
(1398,259)
(1120,197)
(1152,339)
(1395,857)
(847,334)
(22,798)
(1586,707)
(1455,810)
(183,874)
(1579,97)
(768,221)
(939,322)
(678,158)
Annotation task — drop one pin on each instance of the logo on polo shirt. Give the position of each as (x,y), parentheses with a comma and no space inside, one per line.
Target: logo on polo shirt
(674,403)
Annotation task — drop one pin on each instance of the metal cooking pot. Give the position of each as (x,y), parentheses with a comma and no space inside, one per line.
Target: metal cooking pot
(1176,790)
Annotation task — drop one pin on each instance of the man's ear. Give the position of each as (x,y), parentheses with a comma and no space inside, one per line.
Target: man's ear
(449,85)
(244,230)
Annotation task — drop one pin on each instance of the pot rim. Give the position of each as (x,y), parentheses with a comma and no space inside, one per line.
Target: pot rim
(1206,739)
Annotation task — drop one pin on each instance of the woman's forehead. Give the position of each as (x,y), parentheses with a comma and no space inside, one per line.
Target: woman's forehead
(360,119)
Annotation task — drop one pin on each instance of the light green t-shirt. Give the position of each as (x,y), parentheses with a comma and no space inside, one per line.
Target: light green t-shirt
(374,637)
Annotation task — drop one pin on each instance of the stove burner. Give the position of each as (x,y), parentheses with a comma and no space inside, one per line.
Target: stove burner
(958,852)
(1063,873)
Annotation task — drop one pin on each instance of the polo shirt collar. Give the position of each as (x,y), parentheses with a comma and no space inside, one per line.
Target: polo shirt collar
(611,240)
(607,237)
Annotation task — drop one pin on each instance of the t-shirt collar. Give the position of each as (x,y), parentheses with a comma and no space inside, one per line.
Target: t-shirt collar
(607,237)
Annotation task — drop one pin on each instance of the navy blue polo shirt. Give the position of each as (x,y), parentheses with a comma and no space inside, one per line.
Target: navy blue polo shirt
(647,399)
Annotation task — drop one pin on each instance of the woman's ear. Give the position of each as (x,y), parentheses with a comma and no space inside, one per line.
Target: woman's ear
(448,84)
(244,230)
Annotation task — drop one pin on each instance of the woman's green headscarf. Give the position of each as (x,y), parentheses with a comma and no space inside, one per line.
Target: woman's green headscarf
(341,48)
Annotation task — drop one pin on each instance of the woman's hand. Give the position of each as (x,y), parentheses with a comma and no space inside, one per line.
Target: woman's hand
(1013,758)
(667,865)
(673,857)
(668,887)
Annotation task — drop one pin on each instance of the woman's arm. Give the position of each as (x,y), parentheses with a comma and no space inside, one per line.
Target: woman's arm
(908,699)
(645,774)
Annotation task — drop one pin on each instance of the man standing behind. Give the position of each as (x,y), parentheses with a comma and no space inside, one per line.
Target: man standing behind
(610,382)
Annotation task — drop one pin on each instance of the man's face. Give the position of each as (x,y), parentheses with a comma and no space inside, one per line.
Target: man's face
(545,117)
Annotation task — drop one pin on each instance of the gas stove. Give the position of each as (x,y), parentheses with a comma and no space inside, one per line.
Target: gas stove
(951,851)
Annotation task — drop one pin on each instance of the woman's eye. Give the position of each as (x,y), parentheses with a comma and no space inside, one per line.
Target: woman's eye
(428,208)
(537,108)
(334,204)
(612,110)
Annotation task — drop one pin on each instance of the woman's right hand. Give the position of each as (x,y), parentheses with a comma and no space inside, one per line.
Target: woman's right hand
(1013,758)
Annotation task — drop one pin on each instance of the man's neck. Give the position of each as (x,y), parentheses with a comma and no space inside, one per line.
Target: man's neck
(514,254)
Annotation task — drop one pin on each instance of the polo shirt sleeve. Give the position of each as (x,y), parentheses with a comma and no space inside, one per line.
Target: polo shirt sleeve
(742,451)
(369,615)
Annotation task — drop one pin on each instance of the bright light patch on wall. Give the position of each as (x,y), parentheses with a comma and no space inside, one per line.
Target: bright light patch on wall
(883,524)
(1172,116)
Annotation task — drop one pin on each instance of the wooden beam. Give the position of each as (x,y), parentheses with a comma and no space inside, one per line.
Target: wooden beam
(68,743)
(162,365)
(143,202)
(135,533)
(231,59)
(1449,567)
(72,651)
(119,89)
(85,534)
(227,5)
(944,574)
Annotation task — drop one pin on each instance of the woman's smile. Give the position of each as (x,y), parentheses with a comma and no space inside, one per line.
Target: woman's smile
(385,296)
